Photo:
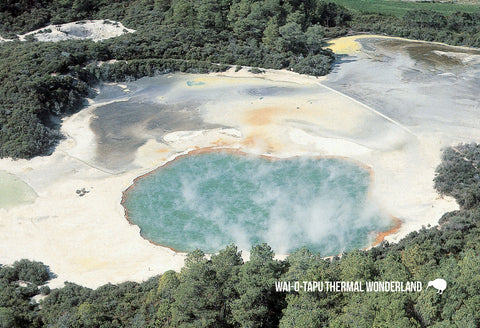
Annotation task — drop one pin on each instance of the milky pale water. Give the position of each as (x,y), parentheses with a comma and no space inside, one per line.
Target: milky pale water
(211,200)
(14,191)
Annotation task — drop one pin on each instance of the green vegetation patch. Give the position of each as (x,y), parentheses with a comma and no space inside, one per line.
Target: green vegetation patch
(400,8)
(223,290)
(41,82)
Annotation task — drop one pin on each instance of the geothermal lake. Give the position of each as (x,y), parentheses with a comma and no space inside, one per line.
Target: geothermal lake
(211,200)
(429,92)
(13,191)
(422,97)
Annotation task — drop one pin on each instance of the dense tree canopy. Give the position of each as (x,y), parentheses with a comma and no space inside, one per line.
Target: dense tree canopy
(455,29)
(225,291)
(40,82)
(459,174)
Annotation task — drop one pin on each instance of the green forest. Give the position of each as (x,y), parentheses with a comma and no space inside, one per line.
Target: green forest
(399,8)
(41,82)
(225,291)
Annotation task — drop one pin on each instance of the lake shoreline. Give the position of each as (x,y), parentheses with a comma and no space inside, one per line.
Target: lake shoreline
(87,239)
(380,235)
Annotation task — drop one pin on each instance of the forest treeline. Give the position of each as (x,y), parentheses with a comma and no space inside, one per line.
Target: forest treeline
(224,291)
(42,81)
(459,29)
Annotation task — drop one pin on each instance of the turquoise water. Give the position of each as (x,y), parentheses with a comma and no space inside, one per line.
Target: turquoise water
(210,200)
(194,83)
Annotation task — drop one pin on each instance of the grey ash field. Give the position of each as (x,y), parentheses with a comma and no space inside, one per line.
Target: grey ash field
(132,128)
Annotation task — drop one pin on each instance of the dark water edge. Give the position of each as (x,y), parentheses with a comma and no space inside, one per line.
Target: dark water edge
(211,200)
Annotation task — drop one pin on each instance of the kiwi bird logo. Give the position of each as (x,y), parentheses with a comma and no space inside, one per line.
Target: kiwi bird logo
(439,284)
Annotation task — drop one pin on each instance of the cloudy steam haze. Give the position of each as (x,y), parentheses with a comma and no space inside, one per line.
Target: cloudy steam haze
(211,200)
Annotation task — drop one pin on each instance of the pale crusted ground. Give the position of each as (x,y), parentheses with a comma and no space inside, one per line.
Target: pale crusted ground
(95,30)
(87,240)
(349,45)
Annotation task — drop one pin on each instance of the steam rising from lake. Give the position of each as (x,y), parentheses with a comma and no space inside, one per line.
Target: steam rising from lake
(208,201)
